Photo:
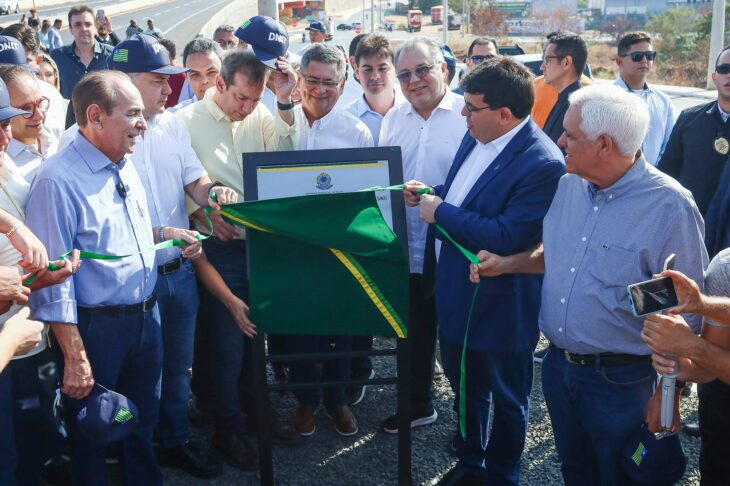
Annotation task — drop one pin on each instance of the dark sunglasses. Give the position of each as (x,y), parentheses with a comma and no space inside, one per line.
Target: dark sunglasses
(480,59)
(639,55)
(722,69)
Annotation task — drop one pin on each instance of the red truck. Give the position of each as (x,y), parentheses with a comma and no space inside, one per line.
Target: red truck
(414,20)
(437,15)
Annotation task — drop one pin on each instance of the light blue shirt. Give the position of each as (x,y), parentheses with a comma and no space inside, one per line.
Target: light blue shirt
(361,109)
(74,204)
(599,241)
(661,120)
(54,39)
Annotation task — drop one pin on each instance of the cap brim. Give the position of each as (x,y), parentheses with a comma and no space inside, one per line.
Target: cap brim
(170,70)
(30,68)
(265,57)
(10,112)
(316,30)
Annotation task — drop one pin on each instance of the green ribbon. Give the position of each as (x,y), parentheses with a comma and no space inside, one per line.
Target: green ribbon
(471,257)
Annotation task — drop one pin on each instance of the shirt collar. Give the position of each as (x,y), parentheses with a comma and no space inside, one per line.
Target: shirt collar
(446,103)
(500,143)
(635,173)
(97,48)
(620,82)
(324,121)
(567,91)
(363,106)
(722,112)
(93,157)
(16,147)
(213,107)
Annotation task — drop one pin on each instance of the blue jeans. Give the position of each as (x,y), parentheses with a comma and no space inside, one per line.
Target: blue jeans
(227,339)
(8,454)
(125,353)
(498,381)
(594,410)
(714,432)
(178,300)
(305,371)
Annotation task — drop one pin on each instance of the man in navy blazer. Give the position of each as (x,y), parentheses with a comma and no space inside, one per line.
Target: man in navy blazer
(497,192)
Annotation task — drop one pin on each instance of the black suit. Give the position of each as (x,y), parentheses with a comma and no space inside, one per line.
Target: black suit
(554,123)
(690,155)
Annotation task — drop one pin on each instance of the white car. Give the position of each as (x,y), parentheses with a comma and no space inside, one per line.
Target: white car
(9,6)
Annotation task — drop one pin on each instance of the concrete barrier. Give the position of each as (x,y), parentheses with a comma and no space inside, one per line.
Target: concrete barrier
(234,14)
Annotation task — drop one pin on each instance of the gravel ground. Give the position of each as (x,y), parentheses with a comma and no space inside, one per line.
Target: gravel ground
(370,458)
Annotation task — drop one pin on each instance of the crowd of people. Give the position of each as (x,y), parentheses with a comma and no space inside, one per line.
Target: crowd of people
(568,190)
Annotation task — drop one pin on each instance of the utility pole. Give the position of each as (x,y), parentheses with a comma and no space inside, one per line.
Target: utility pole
(372,17)
(269,8)
(445,22)
(363,15)
(717,38)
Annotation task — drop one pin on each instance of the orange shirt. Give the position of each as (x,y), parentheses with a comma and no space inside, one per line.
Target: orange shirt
(545,98)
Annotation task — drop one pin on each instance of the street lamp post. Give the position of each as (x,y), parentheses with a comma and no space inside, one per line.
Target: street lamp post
(717,37)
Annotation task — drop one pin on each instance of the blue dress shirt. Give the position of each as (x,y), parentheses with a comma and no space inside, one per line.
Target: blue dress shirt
(599,241)
(75,203)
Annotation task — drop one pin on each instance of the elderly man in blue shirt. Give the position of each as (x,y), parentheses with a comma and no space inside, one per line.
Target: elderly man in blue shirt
(89,196)
(613,222)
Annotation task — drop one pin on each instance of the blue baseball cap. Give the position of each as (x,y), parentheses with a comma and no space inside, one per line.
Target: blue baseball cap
(142,53)
(448,56)
(318,26)
(6,110)
(651,461)
(106,416)
(13,52)
(268,38)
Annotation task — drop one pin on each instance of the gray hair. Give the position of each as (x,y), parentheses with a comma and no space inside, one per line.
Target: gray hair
(204,45)
(614,112)
(431,46)
(326,55)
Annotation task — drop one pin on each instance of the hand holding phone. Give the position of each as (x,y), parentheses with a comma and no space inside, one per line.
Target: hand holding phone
(652,296)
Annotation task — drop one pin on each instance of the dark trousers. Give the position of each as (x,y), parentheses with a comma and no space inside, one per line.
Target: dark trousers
(361,367)
(227,339)
(594,410)
(306,371)
(125,353)
(494,381)
(714,414)
(30,434)
(422,331)
(177,299)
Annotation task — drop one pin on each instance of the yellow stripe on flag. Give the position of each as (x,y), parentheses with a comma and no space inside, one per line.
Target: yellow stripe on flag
(244,222)
(369,290)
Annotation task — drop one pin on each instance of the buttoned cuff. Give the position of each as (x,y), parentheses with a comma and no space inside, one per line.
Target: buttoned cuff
(63,311)
(283,130)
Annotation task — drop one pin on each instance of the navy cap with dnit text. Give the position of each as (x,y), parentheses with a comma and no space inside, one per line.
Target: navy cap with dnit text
(13,52)
(268,38)
(142,53)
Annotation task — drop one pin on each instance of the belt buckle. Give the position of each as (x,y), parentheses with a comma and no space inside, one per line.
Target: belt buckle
(567,357)
(148,304)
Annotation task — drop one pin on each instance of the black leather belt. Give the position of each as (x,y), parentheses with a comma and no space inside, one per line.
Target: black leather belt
(145,306)
(169,267)
(603,359)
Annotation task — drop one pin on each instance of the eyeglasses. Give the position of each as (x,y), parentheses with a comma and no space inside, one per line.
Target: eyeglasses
(480,59)
(419,72)
(326,83)
(473,109)
(41,105)
(546,59)
(639,55)
(722,69)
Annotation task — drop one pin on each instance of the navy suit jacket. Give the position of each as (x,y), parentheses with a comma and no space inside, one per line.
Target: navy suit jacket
(718,215)
(503,214)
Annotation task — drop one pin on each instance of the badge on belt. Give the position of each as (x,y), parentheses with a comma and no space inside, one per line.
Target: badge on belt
(721,145)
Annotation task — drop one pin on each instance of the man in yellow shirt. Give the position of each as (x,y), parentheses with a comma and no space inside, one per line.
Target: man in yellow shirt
(229,121)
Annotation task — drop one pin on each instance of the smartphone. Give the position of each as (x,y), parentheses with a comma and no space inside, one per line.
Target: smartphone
(101,15)
(652,296)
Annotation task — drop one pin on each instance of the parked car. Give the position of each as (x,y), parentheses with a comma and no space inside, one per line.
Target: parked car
(357,25)
(344,27)
(9,6)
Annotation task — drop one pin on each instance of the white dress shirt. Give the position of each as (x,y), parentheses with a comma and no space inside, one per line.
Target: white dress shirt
(166,163)
(661,120)
(428,148)
(361,109)
(55,122)
(337,129)
(478,161)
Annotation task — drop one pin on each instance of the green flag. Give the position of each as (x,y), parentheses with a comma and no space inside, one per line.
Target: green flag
(324,264)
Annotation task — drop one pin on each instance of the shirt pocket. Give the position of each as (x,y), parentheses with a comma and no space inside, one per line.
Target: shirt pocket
(613,266)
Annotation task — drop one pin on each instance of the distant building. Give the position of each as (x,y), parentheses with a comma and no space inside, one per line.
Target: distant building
(644,7)
(547,7)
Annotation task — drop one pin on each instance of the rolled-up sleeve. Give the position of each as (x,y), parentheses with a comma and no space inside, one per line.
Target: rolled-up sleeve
(50,215)
(278,135)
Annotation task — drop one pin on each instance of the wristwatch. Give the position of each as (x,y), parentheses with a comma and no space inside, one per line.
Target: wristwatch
(285,106)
